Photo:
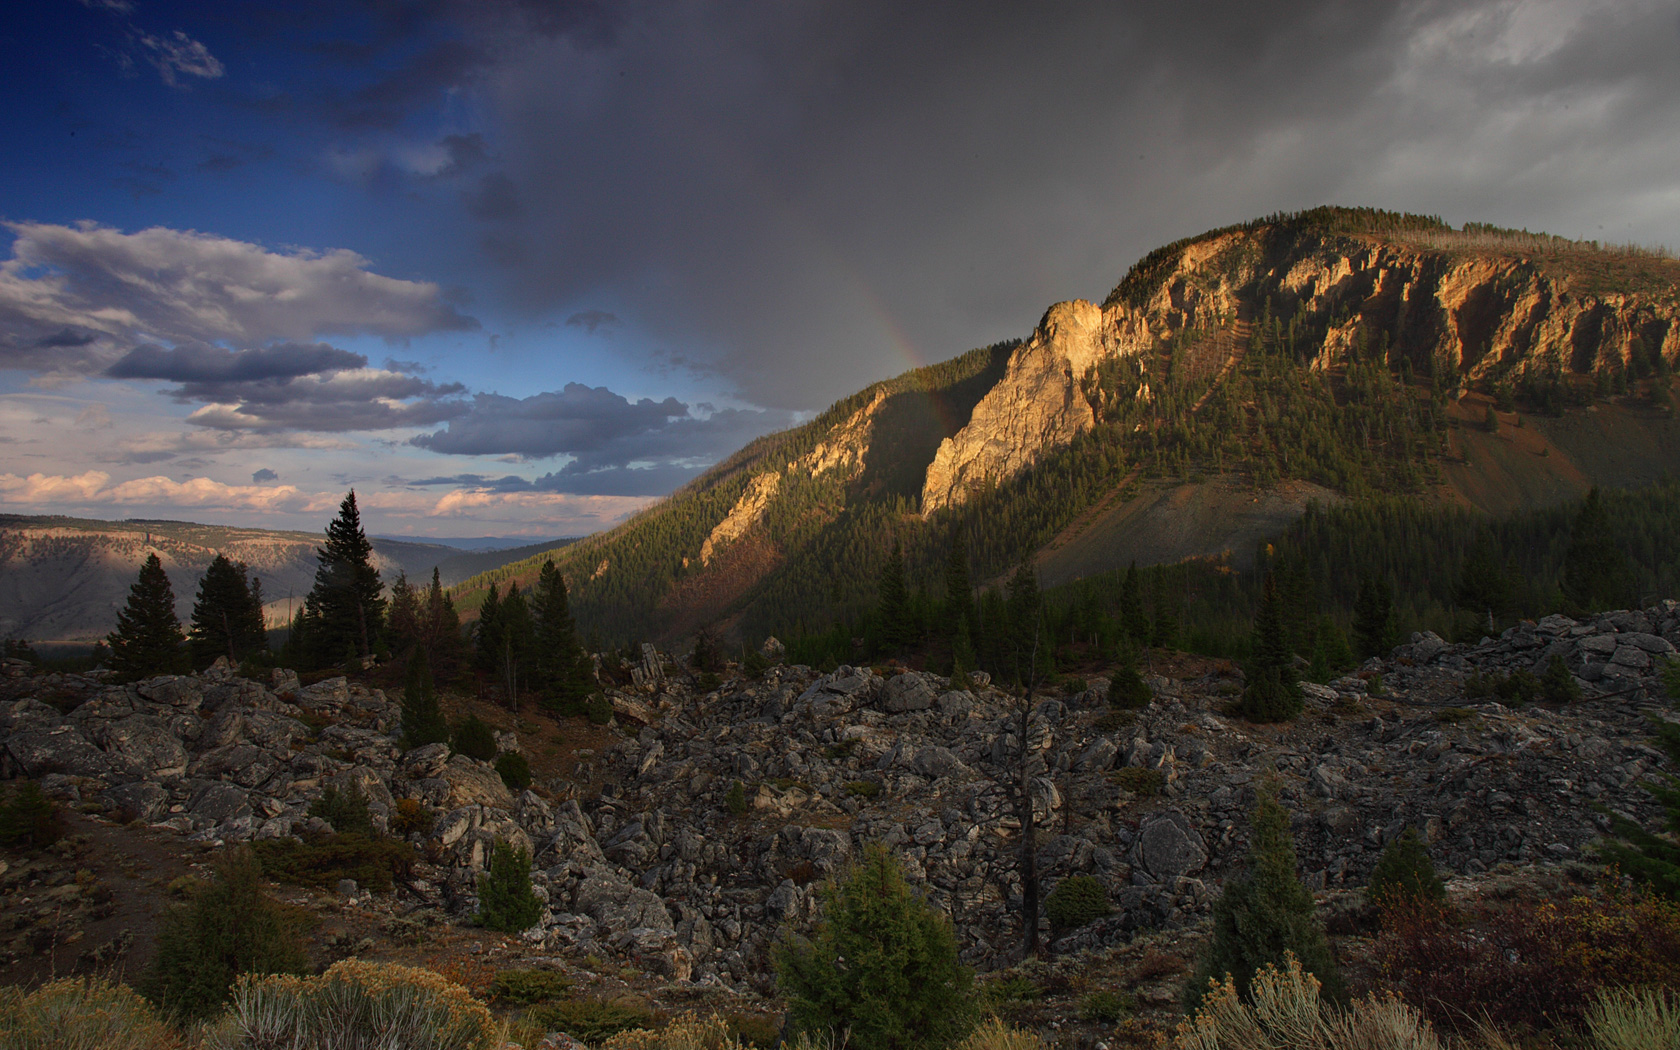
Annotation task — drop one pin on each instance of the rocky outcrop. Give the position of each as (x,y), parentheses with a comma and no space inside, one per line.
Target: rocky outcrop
(1439,300)
(643,857)
(746,512)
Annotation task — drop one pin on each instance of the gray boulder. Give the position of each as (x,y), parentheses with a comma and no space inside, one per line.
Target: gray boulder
(1167,847)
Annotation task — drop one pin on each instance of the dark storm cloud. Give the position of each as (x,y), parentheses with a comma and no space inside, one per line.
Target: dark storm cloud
(200,364)
(578,419)
(813,196)
(590,320)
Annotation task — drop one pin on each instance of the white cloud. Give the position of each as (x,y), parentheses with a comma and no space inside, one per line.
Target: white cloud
(179,53)
(94,487)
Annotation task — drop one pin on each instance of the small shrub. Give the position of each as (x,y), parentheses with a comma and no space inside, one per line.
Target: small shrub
(593,1021)
(1145,783)
(320,860)
(505,900)
(410,816)
(1670,672)
(736,800)
(1519,687)
(1629,1019)
(754,664)
(1076,900)
(756,1030)
(1106,1007)
(78,1014)
(346,811)
(863,788)
(1073,686)
(1405,870)
(1010,988)
(961,682)
(525,987)
(1455,715)
(1111,721)
(598,709)
(686,1031)
(1374,685)
(1557,685)
(515,770)
(996,1034)
(707,682)
(1284,1010)
(29,818)
(474,738)
(354,1004)
(1481,686)
(230,927)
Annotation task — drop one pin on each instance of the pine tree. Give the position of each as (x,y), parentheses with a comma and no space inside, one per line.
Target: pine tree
(894,607)
(345,609)
(1127,690)
(487,637)
(517,635)
(226,620)
(442,630)
(1331,655)
(1405,872)
(1273,694)
(881,970)
(422,719)
(147,640)
(562,672)
(505,900)
(1024,611)
(403,629)
(1649,857)
(1484,588)
(1163,633)
(1373,615)
(1133,620)
(1265,912)
(959,590)
(1596,572)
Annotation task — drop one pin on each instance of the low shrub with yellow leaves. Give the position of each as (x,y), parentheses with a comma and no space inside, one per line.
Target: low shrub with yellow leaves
(996,1034)
(687,1031)
(355,1005)
(81,1015)
(1285,1011)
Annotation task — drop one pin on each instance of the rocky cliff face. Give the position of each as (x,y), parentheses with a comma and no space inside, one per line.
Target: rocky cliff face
(1441,301)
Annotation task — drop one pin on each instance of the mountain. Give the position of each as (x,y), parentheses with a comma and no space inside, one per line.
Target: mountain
(1227,381)
(63,579)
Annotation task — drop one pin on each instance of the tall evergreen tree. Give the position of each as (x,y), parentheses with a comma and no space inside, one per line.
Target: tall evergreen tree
(226,621)
(518,641)
(147,640)
(959,589)
(894,608)
(562,671)
(1273,693)
(422,719)
(345,607)
(1373,615)
(1027,653)
(441,629)
(1596,572)
(1133,620)
(1265,912)
(487,636)
(403,629)
(1484,587)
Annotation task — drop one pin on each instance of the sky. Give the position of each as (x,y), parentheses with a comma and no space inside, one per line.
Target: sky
(521,267)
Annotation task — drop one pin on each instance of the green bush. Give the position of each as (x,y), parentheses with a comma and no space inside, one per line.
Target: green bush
(998,991)
(754,664)
(505,900)
(686,1031)
(525,987)
(81,1014)
(1140,781)
(346,811)
(474,738)
(230,927)
(881,967)
(1405,871)
(515,770)
(593,1021)
(736,800)
(355,1004)
(1107,1007)
(598,709)
(863,788)
(1557,685)
(1670,672)
(1076,900)
(1265,915)
(411,815)
(320,860)
(29,818)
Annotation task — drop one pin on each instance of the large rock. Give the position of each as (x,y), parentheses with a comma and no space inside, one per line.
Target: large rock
(1167,847)
(908,692)
(607,897)
(473,783)
(138,801)
(62,749)
(145,745)
(244,764)
(180,691)
(215,803)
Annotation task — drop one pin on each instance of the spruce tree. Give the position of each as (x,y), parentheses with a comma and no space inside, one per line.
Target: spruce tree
(487,636)
(1373,615)
(422,719)
(505,900)
(1596,572)
(562,673)
(1273,693)
(1405,872)
(147,640)
(345,609)
(894,602)
(403,630)
(441,630)
(226,620)
(1649,857)
(959,590)
(1264,912)
(1133,620)
(881,970)
(518,638)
